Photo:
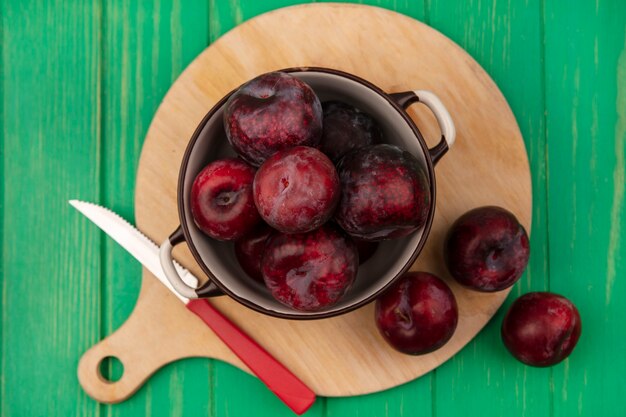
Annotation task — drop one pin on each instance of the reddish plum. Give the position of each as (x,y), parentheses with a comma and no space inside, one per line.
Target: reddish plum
(487,249)
(310,271)
(222,204)
(418,314)
(249,250)
(272,112)
(296,190)
(346,128)
(385,193)
(541,328)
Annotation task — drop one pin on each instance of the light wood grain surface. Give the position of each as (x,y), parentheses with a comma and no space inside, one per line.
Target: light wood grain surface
(341,356)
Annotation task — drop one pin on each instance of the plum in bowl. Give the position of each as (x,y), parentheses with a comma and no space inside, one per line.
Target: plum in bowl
(391,259)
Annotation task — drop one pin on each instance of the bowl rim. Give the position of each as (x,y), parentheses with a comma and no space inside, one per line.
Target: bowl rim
(306,315)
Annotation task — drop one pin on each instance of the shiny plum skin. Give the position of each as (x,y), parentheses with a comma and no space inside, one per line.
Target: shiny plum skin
(346,128)
(385,193)
(222,204)
(296,190)
(310,271)
(272,112)
(418,314)
(541,328)
(487,249)
(250,248)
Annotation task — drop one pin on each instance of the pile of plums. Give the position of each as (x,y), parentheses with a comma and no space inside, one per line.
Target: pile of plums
(315,188)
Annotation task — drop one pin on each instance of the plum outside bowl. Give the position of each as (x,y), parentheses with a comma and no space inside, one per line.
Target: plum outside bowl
(393,257)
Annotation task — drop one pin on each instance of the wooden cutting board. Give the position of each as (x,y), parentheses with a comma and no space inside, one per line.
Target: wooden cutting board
(345,355)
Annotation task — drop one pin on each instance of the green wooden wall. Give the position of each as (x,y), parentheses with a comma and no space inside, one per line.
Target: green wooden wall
(80,82)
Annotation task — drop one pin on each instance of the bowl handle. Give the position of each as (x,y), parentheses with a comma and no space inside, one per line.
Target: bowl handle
(208,289)
(446,125)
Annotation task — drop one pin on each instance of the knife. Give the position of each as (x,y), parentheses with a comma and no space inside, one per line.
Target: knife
(288,387)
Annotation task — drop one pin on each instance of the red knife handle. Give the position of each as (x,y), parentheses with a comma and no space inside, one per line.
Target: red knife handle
(274,374)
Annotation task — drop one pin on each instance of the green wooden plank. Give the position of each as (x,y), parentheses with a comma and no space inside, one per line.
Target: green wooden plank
(146,45)
(416,9)
(586,108)
(2,277)
(50,306)
(506,39)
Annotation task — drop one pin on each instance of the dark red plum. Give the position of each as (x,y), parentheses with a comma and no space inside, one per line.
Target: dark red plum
(487,249)
(272,112)
(418,314)
(249,250)
(310,271)
(222,204)
(345,128)
(384,193)
(541,328)
(296,190)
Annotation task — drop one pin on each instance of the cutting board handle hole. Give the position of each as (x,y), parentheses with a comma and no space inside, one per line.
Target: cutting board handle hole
(111,369)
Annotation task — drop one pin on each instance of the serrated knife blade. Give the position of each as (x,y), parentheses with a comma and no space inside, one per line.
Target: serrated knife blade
(136,243)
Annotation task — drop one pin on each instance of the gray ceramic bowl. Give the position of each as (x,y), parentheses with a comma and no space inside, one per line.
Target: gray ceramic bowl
(393,257)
